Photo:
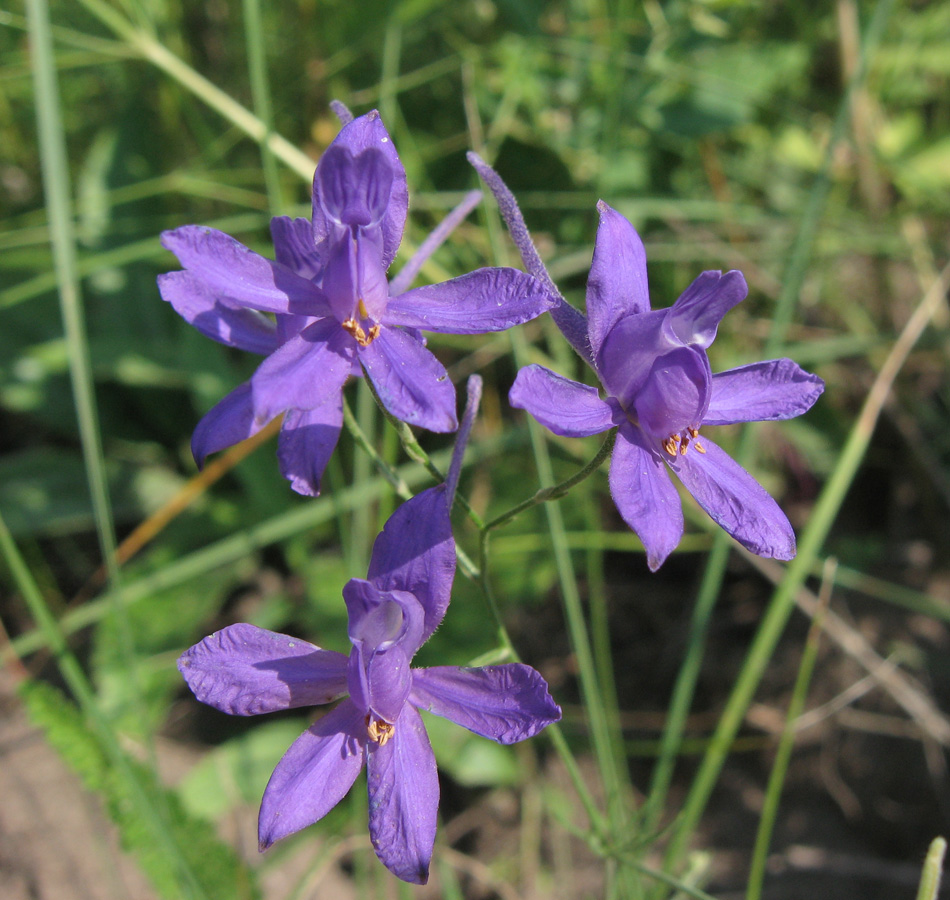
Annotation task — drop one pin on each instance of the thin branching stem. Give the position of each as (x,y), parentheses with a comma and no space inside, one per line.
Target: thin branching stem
(556,491)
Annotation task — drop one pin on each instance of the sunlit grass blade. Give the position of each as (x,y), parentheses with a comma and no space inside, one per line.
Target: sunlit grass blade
(158,54)
(714,572)
(243,544)
(260,89)
(78,684)
(59,208)
(932,874)
(783,754)
(822,519)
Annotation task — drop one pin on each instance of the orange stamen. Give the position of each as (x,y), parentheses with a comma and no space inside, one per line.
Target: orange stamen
(379,731)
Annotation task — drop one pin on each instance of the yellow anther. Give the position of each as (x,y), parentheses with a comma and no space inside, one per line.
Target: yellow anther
(351,326)
(362,308)
(379,731)
(678,444)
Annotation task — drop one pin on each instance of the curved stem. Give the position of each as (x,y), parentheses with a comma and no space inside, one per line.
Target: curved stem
(363,442)
(596,818)
(558,490)
(415,452)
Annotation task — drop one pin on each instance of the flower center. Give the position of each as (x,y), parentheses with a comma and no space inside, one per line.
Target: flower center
(379,732)
(363,338)
(679,443)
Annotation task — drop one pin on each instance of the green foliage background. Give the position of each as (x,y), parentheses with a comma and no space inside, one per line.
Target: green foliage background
(724,129)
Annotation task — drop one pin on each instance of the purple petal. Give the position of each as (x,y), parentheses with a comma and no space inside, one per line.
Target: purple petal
(383,680)
(291,326)
(763,391)
(306,372)
(314,774)
(354,190)
(381,618)
(360,134)
(307,440)
(563,406)
(216,317)
(403,799)
(505,703)
(735,500)
(645,496)
(410,381)
(675,395)
(629,351)
(432,243)
(230,269)
(385,629)
(244,670)
(617,284)
(294,246)
(696,315)
(481,301)
(227,423)
(354,275)
(415,552)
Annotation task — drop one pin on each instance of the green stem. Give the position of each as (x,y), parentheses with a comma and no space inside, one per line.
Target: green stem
(684,688)
(783,754)
(783,601)
(933,867)
(554,733)
(393,478)
(260,94)
(681,886)
(796,270)
(222,103)
(601,732)
(52,143)
(558,490)
(415,452)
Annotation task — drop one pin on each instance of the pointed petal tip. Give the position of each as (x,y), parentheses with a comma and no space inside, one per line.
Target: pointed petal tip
(303,487)
(788,552)
(267,836)
(166,237)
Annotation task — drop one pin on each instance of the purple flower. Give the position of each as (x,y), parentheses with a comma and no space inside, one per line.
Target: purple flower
(334,312)
(245,670)
(660,392)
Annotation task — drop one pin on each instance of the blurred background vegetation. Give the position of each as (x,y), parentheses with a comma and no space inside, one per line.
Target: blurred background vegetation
(807,145)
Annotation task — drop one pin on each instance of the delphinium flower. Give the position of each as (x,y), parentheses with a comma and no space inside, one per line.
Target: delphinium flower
(245,670)
(335,314)
(660,391)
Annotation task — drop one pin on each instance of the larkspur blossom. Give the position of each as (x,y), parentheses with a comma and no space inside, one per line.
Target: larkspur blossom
(661,392)
(246,670)
(335,314)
